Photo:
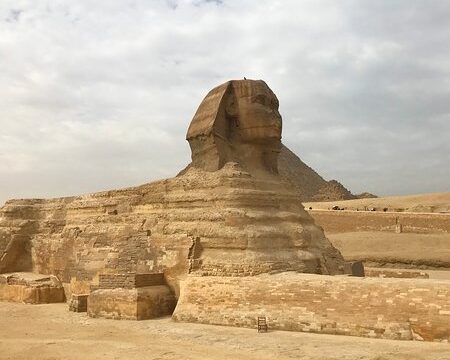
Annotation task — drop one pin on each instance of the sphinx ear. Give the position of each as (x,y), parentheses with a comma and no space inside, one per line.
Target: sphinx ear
(231,106)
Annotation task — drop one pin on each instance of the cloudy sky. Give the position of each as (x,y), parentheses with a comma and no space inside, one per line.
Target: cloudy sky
(97,95)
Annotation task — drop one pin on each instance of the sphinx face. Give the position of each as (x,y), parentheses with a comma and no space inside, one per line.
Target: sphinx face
(258,117)
(237,121)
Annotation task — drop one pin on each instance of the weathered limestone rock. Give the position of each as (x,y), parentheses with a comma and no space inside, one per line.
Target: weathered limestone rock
(131,304)
(309,184)
(78,302)
(394,273)
(131,297)
(354,268)
(31,288)
(237,122)
(228,213)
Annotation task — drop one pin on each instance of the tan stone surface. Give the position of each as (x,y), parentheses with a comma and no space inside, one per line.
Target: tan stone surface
(131,304)
(310,185)
(395,273)
(78,302)
(403,309)
(31,288)
(237,122)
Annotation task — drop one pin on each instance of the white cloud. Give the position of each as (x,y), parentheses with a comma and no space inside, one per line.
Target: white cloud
(97,95)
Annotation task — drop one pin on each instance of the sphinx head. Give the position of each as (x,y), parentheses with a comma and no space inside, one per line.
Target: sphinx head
(237,121)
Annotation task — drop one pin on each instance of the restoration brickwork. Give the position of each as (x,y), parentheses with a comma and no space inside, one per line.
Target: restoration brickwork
(131,304)
(403,309)
(341,221)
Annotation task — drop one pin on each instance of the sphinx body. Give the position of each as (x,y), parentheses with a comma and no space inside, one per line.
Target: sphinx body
(228,213)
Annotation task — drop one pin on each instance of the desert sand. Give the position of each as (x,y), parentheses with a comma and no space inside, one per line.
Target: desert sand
(52,332)
(433,202)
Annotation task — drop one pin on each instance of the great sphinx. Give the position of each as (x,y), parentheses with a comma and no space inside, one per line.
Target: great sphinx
(228,213)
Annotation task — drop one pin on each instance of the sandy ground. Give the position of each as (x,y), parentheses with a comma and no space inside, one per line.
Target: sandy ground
(434,202)
(52,332)
(417,250)
(433,274)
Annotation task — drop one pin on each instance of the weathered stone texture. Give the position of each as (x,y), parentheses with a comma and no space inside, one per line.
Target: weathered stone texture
(354,268)
(380,308)
(130,280)
(31,288)
(391,273)
(78,302)
(351,221)
(235,220)
(131,304)
(310,185)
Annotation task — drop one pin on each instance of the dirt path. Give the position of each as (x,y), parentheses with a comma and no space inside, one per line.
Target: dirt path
(52,332)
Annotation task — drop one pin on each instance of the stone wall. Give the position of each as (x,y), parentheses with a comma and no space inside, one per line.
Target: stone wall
(131,304)
(129,281)
(391,273)
(380,308)
(338,221)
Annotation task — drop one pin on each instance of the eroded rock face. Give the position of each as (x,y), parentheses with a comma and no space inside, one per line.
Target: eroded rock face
(229,213)
(31,288)
(237,122)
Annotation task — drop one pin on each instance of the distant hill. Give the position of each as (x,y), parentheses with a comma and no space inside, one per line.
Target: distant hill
(365,195)
(309,183)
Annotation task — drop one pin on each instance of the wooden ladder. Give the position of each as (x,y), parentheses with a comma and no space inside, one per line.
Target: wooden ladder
(262,324)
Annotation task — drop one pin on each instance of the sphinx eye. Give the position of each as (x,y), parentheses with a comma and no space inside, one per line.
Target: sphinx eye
(260,99)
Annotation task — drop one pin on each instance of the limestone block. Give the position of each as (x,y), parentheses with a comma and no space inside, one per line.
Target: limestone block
(394,273)
(131,304)
(354,268)
(78,302)
(31,288)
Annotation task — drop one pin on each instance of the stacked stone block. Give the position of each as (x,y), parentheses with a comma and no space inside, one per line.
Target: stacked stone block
(78,302)
(402,309)
(131,297)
